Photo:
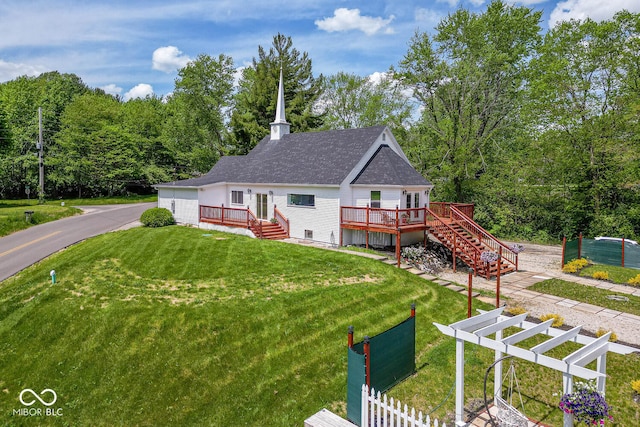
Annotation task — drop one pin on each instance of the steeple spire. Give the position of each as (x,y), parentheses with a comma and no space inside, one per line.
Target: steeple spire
(279,127)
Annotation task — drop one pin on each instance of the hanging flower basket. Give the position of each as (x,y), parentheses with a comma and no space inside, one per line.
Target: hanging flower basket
(516,248)
(586,404)
(488,256)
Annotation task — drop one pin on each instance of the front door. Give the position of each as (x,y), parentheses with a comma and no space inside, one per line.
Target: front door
(261,206)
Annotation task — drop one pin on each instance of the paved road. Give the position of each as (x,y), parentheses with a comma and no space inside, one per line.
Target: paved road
(22,249)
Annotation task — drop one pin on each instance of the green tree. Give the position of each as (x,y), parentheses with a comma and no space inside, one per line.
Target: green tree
(350,101)
(196,132)
(255,102)
(467,79)
(144,120)
(95,154)
(583,93)
(20,100)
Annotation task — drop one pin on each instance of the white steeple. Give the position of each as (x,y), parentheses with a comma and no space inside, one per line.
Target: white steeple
(279,127)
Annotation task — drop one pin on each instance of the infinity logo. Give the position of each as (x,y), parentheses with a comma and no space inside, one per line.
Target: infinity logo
(46,390)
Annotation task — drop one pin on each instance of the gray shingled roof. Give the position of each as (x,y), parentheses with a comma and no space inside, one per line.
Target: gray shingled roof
(319,158)
(387,168)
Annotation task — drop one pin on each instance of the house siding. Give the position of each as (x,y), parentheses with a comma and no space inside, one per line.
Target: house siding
(323,220)
(182,202)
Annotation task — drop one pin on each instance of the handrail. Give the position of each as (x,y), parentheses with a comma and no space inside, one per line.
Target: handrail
(254,224)
(485,237)
(282,220)
(458,240)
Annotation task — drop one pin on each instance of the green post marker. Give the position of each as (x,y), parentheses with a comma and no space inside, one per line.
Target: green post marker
(53,277)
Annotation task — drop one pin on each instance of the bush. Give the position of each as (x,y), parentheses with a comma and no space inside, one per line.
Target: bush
(518,309)
(557,319)
(157,217)
(613,337)
(634,280)
(600,275)
(575,265)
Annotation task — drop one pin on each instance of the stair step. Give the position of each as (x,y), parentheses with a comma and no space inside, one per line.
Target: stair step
(442,282)
(415,271)
(455,288)
(428,277)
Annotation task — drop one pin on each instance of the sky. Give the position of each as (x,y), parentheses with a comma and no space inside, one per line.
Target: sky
(134,48)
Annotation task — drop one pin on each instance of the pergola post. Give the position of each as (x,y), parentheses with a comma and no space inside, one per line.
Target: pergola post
(497,381)
(567,387)
(460,382)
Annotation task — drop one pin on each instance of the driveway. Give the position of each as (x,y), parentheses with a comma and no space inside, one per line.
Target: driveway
(24,248)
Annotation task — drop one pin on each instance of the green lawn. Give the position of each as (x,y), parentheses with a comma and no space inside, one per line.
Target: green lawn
(588,294)
(12,212)
(616,274)
(174,326)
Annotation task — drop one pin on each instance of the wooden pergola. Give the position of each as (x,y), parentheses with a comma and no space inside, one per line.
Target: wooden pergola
(477,330)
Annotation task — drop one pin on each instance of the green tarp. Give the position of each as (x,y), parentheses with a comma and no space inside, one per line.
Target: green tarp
(393,358)
(607,252)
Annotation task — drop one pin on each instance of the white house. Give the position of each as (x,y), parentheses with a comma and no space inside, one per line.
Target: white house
(353,186)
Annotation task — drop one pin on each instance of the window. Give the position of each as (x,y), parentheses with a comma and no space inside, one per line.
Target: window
(375,199)
(301,200)
(236,197)
(308,234)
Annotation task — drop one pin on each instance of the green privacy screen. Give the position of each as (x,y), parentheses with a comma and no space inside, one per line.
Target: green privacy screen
(356,376)
(608,252)
(392,359)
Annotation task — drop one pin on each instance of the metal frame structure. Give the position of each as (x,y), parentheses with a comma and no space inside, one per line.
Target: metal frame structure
(477,330)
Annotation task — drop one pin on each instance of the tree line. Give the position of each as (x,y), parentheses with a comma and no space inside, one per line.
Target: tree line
(540,131)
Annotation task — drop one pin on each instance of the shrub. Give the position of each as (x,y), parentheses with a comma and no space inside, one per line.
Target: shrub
(635,385)
(557,319)
(600,275)
(575,265)
(634,280)
(613,337)
(157,217)
(518,309)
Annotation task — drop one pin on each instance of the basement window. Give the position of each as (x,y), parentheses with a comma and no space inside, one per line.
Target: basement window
(308,234)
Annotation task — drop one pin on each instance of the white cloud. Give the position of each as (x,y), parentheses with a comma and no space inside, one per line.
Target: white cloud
(451,3)
(427,17)
(597,10)
(141,90)
(350,19)
(11,70)
(112,89)
(169,59)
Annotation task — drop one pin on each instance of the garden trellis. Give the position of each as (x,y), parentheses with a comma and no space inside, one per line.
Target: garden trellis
(479,328)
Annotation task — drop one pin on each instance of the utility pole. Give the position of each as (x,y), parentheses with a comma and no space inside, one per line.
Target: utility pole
(40,158)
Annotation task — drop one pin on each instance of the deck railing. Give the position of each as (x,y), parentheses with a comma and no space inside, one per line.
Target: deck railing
(282,220)
(225,216)
(381,218)
(443,209)
(459,217)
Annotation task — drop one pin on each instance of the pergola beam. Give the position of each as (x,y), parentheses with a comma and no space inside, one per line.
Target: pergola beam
(556,341)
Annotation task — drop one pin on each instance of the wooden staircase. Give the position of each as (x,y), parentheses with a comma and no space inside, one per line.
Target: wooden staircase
(268,230)
(467,241)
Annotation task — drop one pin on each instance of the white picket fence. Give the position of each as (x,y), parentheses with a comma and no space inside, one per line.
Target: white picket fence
(378,412)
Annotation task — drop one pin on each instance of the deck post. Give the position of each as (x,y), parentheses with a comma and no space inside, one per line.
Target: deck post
(398,245)
(470,293)
(455,248)
(413,309)
(222,215)
(366,232)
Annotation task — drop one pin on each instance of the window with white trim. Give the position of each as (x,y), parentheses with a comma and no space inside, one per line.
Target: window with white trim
(375,199)
(237,197)
(308,200)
